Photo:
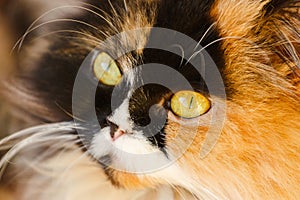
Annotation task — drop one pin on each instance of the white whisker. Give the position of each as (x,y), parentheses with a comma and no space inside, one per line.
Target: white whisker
(32,130)
(93,39)
(22,38)
(205,34)
(37,136)
(27,142)
(112,7)
(182,52)
(34,164)
(29,29)
(218,40)
(57,20)
(125,5)
(101,16)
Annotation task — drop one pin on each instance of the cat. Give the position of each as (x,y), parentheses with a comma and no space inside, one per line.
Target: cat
(153,99)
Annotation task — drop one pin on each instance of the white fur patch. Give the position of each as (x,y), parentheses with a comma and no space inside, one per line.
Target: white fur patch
(101,144)
(121,117)
(131,151)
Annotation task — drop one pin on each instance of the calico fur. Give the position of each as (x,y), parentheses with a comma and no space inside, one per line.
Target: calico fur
(257,156)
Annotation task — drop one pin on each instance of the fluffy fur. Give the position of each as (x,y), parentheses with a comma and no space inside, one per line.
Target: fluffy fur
(257,155)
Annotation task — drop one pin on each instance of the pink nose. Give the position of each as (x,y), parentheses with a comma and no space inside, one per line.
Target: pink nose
(115,130)
(118,133)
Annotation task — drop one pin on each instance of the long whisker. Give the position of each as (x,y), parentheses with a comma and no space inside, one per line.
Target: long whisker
(21,40)
(215,41)
(95,40)
(97,8)
(53,21)
(112,7)
(99,15)
(35,135)
(182,52)
(30,131)
(205,34)
(24,143)
(125,5)
(69,113)
(34,164)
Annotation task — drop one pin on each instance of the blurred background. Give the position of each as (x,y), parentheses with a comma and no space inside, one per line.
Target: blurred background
(18,15)
(5,67)
(8,122)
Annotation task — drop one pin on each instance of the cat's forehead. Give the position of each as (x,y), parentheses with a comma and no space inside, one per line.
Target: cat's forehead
(188,17)
(126,16)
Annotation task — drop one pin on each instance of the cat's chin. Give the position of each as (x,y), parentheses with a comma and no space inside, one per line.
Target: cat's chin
(132,173)
(131,180)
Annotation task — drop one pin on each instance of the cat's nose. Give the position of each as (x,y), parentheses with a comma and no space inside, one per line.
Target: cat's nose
(115,130)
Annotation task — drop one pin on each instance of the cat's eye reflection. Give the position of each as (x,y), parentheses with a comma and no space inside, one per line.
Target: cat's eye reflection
(106,70)
(189,104)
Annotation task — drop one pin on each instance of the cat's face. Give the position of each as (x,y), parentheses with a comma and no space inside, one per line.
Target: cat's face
(151,102)
(142,108)
(139,86)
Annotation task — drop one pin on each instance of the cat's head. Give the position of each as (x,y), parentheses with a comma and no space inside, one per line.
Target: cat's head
(154,85)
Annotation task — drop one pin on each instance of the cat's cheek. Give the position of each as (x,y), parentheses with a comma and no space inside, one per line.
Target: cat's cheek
(181,139)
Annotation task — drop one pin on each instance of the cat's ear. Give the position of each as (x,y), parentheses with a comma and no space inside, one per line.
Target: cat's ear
(282,30)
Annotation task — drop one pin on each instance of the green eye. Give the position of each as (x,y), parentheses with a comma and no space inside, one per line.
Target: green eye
(189,104)
(106,70)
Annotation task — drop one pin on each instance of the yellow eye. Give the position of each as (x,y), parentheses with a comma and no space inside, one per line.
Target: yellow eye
(189,104)
(106,70)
